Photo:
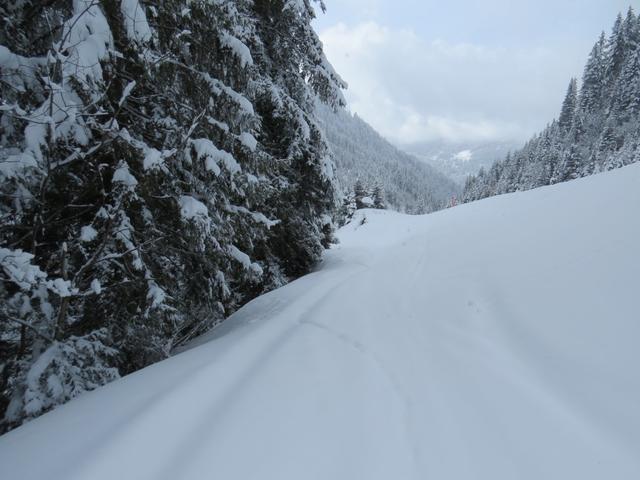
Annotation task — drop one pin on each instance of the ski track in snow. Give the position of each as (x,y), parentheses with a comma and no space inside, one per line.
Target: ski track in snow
(496,340)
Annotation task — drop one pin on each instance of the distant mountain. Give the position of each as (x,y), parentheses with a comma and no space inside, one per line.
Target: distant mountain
(361,154)
(459,160)
(598,127)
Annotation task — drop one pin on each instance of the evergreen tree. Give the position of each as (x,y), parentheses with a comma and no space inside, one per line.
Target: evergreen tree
(594,76)
(570,166)
(614,53)
(595,133)
(568,112)
(359,194)
(147,194)
(378,197)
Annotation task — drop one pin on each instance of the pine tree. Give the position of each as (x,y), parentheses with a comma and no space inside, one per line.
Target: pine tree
(615,50)
(598,133)
(359,193)
(594,76)
(378,197)
(568,112)
(570,166)
(627,94)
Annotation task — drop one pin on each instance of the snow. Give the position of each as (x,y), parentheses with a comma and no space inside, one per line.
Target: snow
(60,287)
(218,88)
(257,216)
(123,176)
(152,159)
(18,71)
(494,340)
(244,259)
(368,201)
(13,165)
(125,93)
(239,49)
(135,20)
(248,141)
(156,294)
(16,265)
(191,208)
(88,233)
(221,125)
(96,286)
(213,156)
(88,40)
(124,233)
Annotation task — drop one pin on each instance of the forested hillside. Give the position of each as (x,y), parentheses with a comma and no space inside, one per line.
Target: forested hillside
(598,128)
(362,155)
(160,166)
(459,160)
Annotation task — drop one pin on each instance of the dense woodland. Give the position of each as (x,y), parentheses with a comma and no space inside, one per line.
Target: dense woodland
(362,155)
(598,128)
(160,165)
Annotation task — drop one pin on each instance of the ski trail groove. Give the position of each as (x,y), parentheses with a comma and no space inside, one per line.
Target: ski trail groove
(375,360)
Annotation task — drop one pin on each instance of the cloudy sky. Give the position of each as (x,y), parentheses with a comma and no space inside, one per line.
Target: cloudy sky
(463,70)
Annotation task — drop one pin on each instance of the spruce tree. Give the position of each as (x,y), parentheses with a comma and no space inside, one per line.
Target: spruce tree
(378,197)
(597,128)
(594,77)
(567,114)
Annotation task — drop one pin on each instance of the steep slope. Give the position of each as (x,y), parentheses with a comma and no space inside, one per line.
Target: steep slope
(361,154)
(496,340)
(597,129)
(460,160)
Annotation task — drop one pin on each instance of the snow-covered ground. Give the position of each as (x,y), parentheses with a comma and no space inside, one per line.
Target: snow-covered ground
(497,340)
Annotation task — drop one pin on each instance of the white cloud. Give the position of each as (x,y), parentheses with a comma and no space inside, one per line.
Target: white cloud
(413,90)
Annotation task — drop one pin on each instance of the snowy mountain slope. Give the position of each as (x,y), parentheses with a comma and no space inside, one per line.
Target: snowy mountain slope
(361,154)
(459,160)
(597,128)
(495,340)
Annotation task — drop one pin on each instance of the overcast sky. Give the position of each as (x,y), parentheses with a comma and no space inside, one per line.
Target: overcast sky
(461,70)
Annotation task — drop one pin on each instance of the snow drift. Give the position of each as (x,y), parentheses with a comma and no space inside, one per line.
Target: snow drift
(495,340)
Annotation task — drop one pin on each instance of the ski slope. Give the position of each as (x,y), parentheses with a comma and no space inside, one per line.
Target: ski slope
(498,340)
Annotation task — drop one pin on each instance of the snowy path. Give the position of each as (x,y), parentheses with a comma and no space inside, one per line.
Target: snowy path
(495,341)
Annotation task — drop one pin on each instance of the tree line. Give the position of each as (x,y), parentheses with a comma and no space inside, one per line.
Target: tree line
(597,130)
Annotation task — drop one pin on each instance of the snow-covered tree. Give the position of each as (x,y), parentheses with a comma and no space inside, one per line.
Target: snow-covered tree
(568,111)
(598,125)
(160,165)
